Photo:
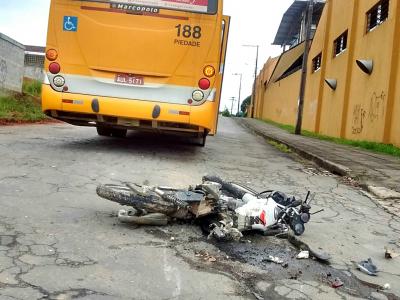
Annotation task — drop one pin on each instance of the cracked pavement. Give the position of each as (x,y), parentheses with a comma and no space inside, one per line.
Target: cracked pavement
(58,240)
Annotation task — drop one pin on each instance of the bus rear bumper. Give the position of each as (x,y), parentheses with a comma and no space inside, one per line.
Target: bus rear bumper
(87,110)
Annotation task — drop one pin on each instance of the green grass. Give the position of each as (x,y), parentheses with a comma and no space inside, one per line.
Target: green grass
(23,107)
(280,147)
(370,146)
(32,87)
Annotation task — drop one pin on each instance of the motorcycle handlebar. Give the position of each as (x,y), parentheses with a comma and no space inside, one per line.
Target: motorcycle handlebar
(294,204)
(227,186)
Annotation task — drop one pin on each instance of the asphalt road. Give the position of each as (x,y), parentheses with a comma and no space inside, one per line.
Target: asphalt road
(58,240)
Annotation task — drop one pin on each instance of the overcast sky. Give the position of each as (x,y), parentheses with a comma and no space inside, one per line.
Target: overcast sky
(253,22)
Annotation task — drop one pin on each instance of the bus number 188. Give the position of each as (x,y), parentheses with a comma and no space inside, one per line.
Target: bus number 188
(188,31)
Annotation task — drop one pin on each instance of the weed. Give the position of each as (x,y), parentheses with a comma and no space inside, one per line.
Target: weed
(280,147)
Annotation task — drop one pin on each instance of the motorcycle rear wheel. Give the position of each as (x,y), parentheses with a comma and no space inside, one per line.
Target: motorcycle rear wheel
(124,195)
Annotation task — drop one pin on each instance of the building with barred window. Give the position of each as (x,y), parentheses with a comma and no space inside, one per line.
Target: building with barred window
(34,62)
(353,76)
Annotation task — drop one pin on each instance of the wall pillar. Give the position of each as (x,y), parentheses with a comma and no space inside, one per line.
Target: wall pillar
(350,66)
(393,73)
(328,6)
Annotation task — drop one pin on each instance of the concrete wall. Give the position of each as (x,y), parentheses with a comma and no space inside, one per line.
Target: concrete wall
(11,64)
(282,104)
(33,72)
(335,67)
(363,107)
(316,79)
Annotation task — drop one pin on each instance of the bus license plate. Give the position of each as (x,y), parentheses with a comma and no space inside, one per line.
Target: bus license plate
(129,79)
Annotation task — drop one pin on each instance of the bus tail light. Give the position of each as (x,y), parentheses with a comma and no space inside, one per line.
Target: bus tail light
(198,95)
(54,68)
(51,54)
(209,71)
(58,81)
(204,84)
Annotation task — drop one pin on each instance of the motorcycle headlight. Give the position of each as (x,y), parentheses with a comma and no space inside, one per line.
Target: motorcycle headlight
(305,217)
(298,229)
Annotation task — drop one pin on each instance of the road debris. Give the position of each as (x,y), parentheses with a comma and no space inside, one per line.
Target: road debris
(390,253)
(368,267)
(386,286)
(303,255)
(274,259)
(206,256)
(258,296)
(318,255)
(337,283)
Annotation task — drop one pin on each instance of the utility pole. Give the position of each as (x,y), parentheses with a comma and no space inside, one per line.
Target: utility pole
(253,96)
(233,99)
(304,69)
(240,91)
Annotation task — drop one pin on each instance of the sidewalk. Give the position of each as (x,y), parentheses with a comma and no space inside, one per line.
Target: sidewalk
(379,174)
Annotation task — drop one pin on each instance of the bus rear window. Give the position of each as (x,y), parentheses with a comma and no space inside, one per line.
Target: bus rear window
(196,6)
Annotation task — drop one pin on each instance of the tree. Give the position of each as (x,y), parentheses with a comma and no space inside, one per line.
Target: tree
(226,112)
(245,105)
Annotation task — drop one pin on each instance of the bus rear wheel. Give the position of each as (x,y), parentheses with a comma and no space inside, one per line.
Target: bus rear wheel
(115,132)
(201,140)
(103,131)
(119,133)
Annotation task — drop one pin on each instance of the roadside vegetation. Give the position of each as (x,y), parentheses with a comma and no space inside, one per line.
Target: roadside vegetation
(243,109)
(371,146)
(24,107)
(280,147)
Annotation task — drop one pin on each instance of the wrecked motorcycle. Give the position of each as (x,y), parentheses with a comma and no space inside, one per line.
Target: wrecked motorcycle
(223,209)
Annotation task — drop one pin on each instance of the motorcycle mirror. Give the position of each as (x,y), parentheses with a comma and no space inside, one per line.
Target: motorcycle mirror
(308,195)
(317,212)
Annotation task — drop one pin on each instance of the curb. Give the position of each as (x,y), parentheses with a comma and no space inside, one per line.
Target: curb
(326,164)
(332,167)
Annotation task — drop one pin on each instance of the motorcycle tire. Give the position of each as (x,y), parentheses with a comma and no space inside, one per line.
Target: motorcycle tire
(124,195)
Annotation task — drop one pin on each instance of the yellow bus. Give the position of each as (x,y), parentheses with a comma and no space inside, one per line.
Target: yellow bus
(136,64)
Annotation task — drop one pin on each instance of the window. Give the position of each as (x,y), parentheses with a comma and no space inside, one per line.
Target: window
(34,60)
(377,15)
(316,63)
(340,43)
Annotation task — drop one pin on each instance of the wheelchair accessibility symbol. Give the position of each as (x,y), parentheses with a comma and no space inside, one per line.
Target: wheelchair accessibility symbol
(70,23)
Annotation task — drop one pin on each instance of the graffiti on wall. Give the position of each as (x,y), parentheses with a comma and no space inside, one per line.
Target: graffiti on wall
(377,107)
(358,119)
(374,113)
(3,72)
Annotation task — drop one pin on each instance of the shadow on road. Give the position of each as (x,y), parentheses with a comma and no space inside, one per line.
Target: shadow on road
(136,141)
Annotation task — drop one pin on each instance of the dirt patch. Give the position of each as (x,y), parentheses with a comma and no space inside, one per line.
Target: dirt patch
(23,122)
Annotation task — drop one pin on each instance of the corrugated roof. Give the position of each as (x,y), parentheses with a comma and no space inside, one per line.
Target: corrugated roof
(291,22)
(38,49)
